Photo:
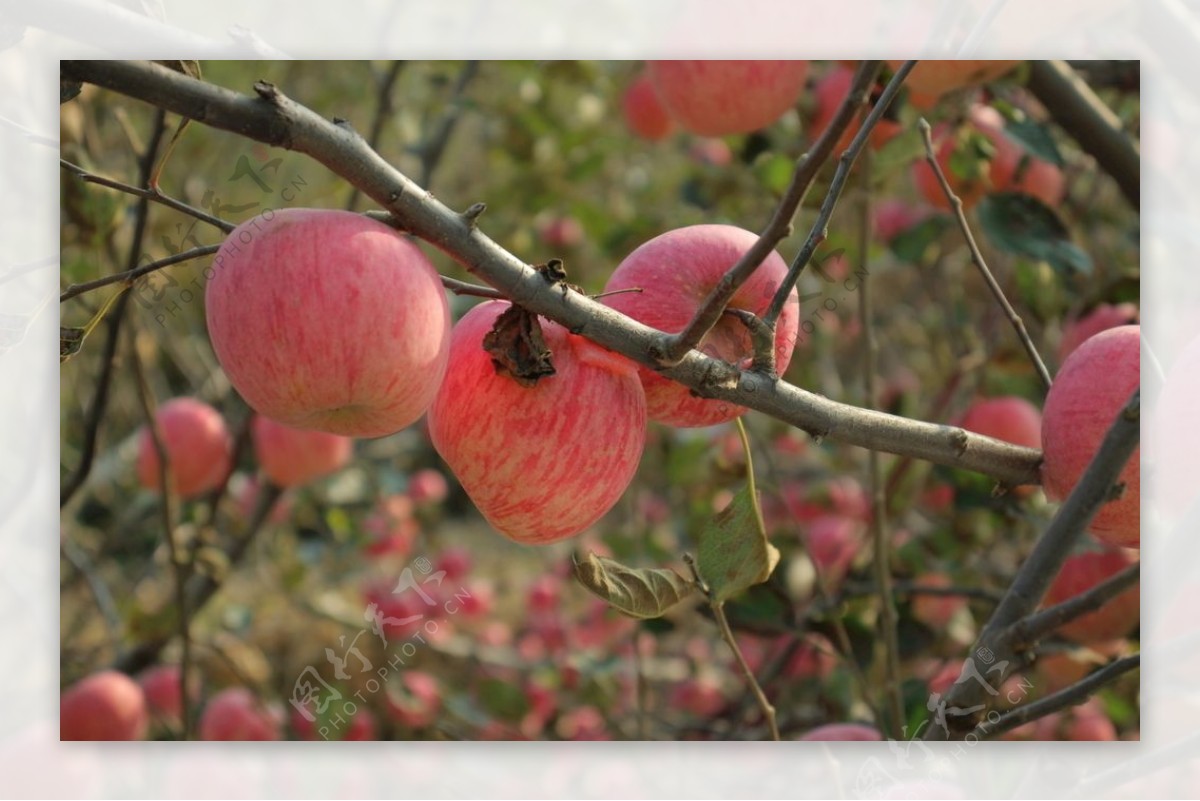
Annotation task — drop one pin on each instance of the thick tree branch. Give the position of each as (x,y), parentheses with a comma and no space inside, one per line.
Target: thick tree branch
(1025,632)
(977,257)
(994,650)
(820,227)
(383,112)
(275,120)
(780,224)
(1070,696)
(1074,106)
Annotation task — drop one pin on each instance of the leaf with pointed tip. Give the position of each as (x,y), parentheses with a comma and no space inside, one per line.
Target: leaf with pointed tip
(1021,224)
(637,592)
(733,551)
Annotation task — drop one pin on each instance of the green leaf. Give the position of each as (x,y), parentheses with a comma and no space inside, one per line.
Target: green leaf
(733,552)
(637,592)
(897,154)
(1021,224)
(1035,138)
(503,699)
(971,160)
(775,172)
(912,244)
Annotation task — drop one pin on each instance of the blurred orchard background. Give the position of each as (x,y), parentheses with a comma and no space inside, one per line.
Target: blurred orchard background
(508,645)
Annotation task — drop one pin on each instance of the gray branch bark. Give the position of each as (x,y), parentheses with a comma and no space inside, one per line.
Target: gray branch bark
(276,120)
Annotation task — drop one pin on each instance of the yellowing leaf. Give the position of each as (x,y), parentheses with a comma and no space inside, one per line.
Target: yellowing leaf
(637,592)
(733,553)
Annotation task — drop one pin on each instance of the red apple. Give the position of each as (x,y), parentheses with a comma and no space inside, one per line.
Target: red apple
(198,446)
(936,611)
(1081,572)
(538,461)
(893,217)
(935,78)
(833,542)
(427,487)
(1056,671)
(292,457)
(456,562)
(245,491)
(1088,721)
(711,151)
(844,731)
(235,714)
(644,112)
(1089,391)
(1008,169)
(715,98)
(544,596)
(415,699)
(1101,318)
(582,723)
(700,696)
(360,727)
(1012,168)
(561,231)
(1009,418)
(391,527)
(328,320)
(831,89)
(676,271)
(104,706)
(161,687)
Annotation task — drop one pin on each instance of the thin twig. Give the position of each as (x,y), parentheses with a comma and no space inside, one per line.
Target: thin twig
(167,499)
(274,119)
(780,225)
(1074,106)
(473,290)
(881,558)
(383,111)
(129,276)
(1073,695)
(718,611)
(146,195)
(820,229)
(434,146)
(977,258)
(908,588)
(1028,630)
(95,416)
(82,563)
(992,649)
(202,588)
